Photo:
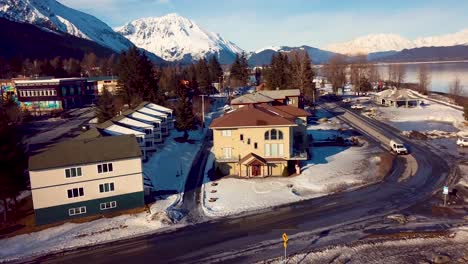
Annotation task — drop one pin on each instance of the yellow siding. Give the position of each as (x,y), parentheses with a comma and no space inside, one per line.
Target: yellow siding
(241,148)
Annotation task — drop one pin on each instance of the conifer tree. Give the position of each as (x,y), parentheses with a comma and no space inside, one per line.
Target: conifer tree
(215,69)
(185,117)
(105,107)
(203,76)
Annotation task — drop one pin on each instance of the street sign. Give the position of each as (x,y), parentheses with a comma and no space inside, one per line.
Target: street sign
(285,244)
(446,190)
(285,238)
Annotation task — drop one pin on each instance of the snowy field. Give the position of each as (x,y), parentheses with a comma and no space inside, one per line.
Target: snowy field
(439,249)
(71,235)
(331,169)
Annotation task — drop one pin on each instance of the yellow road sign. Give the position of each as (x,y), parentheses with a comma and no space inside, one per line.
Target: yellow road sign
(285,238)
(285,244)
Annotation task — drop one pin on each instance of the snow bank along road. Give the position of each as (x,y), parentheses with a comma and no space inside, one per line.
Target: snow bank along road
(256,236)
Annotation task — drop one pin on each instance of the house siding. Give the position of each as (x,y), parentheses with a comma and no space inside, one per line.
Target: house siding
(58,213)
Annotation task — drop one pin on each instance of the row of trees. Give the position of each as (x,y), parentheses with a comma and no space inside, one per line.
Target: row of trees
(293,70)
(59,67)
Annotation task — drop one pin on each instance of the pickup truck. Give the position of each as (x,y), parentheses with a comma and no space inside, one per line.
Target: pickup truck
(398,147)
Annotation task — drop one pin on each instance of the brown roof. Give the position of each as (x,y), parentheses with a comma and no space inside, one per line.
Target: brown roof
(255,156)
(86,151)
(292,110)
(251,116)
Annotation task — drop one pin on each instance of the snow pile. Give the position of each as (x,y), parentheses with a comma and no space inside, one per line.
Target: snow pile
(416,250)
(176,38)
(71,235)
(331,169)
(417,118)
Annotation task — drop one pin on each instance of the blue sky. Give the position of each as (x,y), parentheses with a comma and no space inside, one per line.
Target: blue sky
(256,24)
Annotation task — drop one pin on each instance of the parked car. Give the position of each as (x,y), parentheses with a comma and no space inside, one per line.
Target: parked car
(462,142)
(398,147)
(347,100)
(357,106)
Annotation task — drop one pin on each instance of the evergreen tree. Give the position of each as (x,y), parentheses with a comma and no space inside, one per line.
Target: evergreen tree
(137,80)
(239,72)
(203,76)
(105,108)
(13,160)
(215,69)
(185,117)
(278,74)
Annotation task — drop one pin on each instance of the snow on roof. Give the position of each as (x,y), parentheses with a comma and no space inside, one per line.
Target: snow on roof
(145,117)
(120,130)
(53,80)
(132,122)
(396,94)
(152,112)
(159,108)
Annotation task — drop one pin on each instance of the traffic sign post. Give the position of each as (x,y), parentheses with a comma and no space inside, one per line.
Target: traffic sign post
(445,192)
(285,244)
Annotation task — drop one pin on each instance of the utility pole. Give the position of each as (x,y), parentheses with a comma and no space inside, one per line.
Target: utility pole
(203,111)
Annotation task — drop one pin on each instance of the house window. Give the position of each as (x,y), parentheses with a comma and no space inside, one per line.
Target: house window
(106,187)
(72,172)
(77,210)
(274,150)
(108,205)
(227,153)
(248,141)
(106,167)
(149,144)
(227,133)
(241,137)
(148,131)
(156,125)
(139,140)
(75,192)
(255,145)
(267,150)
(273,135)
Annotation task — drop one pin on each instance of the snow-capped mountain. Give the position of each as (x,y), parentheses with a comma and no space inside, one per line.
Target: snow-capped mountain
(458,38)
(263,56)
(53,15)
(372,43)
(176,38)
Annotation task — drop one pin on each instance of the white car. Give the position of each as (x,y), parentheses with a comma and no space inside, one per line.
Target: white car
(357,106)
(346,100)
(462,142)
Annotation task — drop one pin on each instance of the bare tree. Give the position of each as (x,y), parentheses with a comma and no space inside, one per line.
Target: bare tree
(335,71)
(397,74)
(424,79)
(456,88)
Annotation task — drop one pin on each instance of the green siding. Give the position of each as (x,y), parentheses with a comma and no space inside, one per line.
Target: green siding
(60,213)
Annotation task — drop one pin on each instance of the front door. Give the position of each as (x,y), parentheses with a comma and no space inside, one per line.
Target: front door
(256,170)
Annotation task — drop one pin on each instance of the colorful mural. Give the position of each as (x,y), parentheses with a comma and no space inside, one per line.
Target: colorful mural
(8,90)
(45,105)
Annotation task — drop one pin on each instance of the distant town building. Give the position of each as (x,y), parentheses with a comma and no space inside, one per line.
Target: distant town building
(86,176)
(291,97)
(45,95)
(397,97)
(108,82)
(260,140)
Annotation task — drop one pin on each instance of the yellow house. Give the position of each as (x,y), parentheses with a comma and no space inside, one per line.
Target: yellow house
(260,140)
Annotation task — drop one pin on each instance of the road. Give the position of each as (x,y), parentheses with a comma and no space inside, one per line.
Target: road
(257,235)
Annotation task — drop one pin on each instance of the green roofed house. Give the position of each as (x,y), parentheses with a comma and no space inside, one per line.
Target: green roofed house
(86,176)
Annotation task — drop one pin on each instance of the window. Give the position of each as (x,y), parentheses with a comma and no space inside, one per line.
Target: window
(148,131)
(255,145)
(106,167)
(267,150)
(75,192)
(280,150)
(64,91)
(149,144)
(241,137)
(77,210)
(72,172)
(273,135)
(106,187)
(156,125)
(274,150)
(108,205)
(227,133)
(248,141)
(227,153)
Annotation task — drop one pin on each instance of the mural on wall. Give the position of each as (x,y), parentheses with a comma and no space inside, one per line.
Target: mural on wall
(46,105)
(8,90)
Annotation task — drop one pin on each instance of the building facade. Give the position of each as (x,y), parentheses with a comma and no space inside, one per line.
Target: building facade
(46,95)
(260,140)
(84,177)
